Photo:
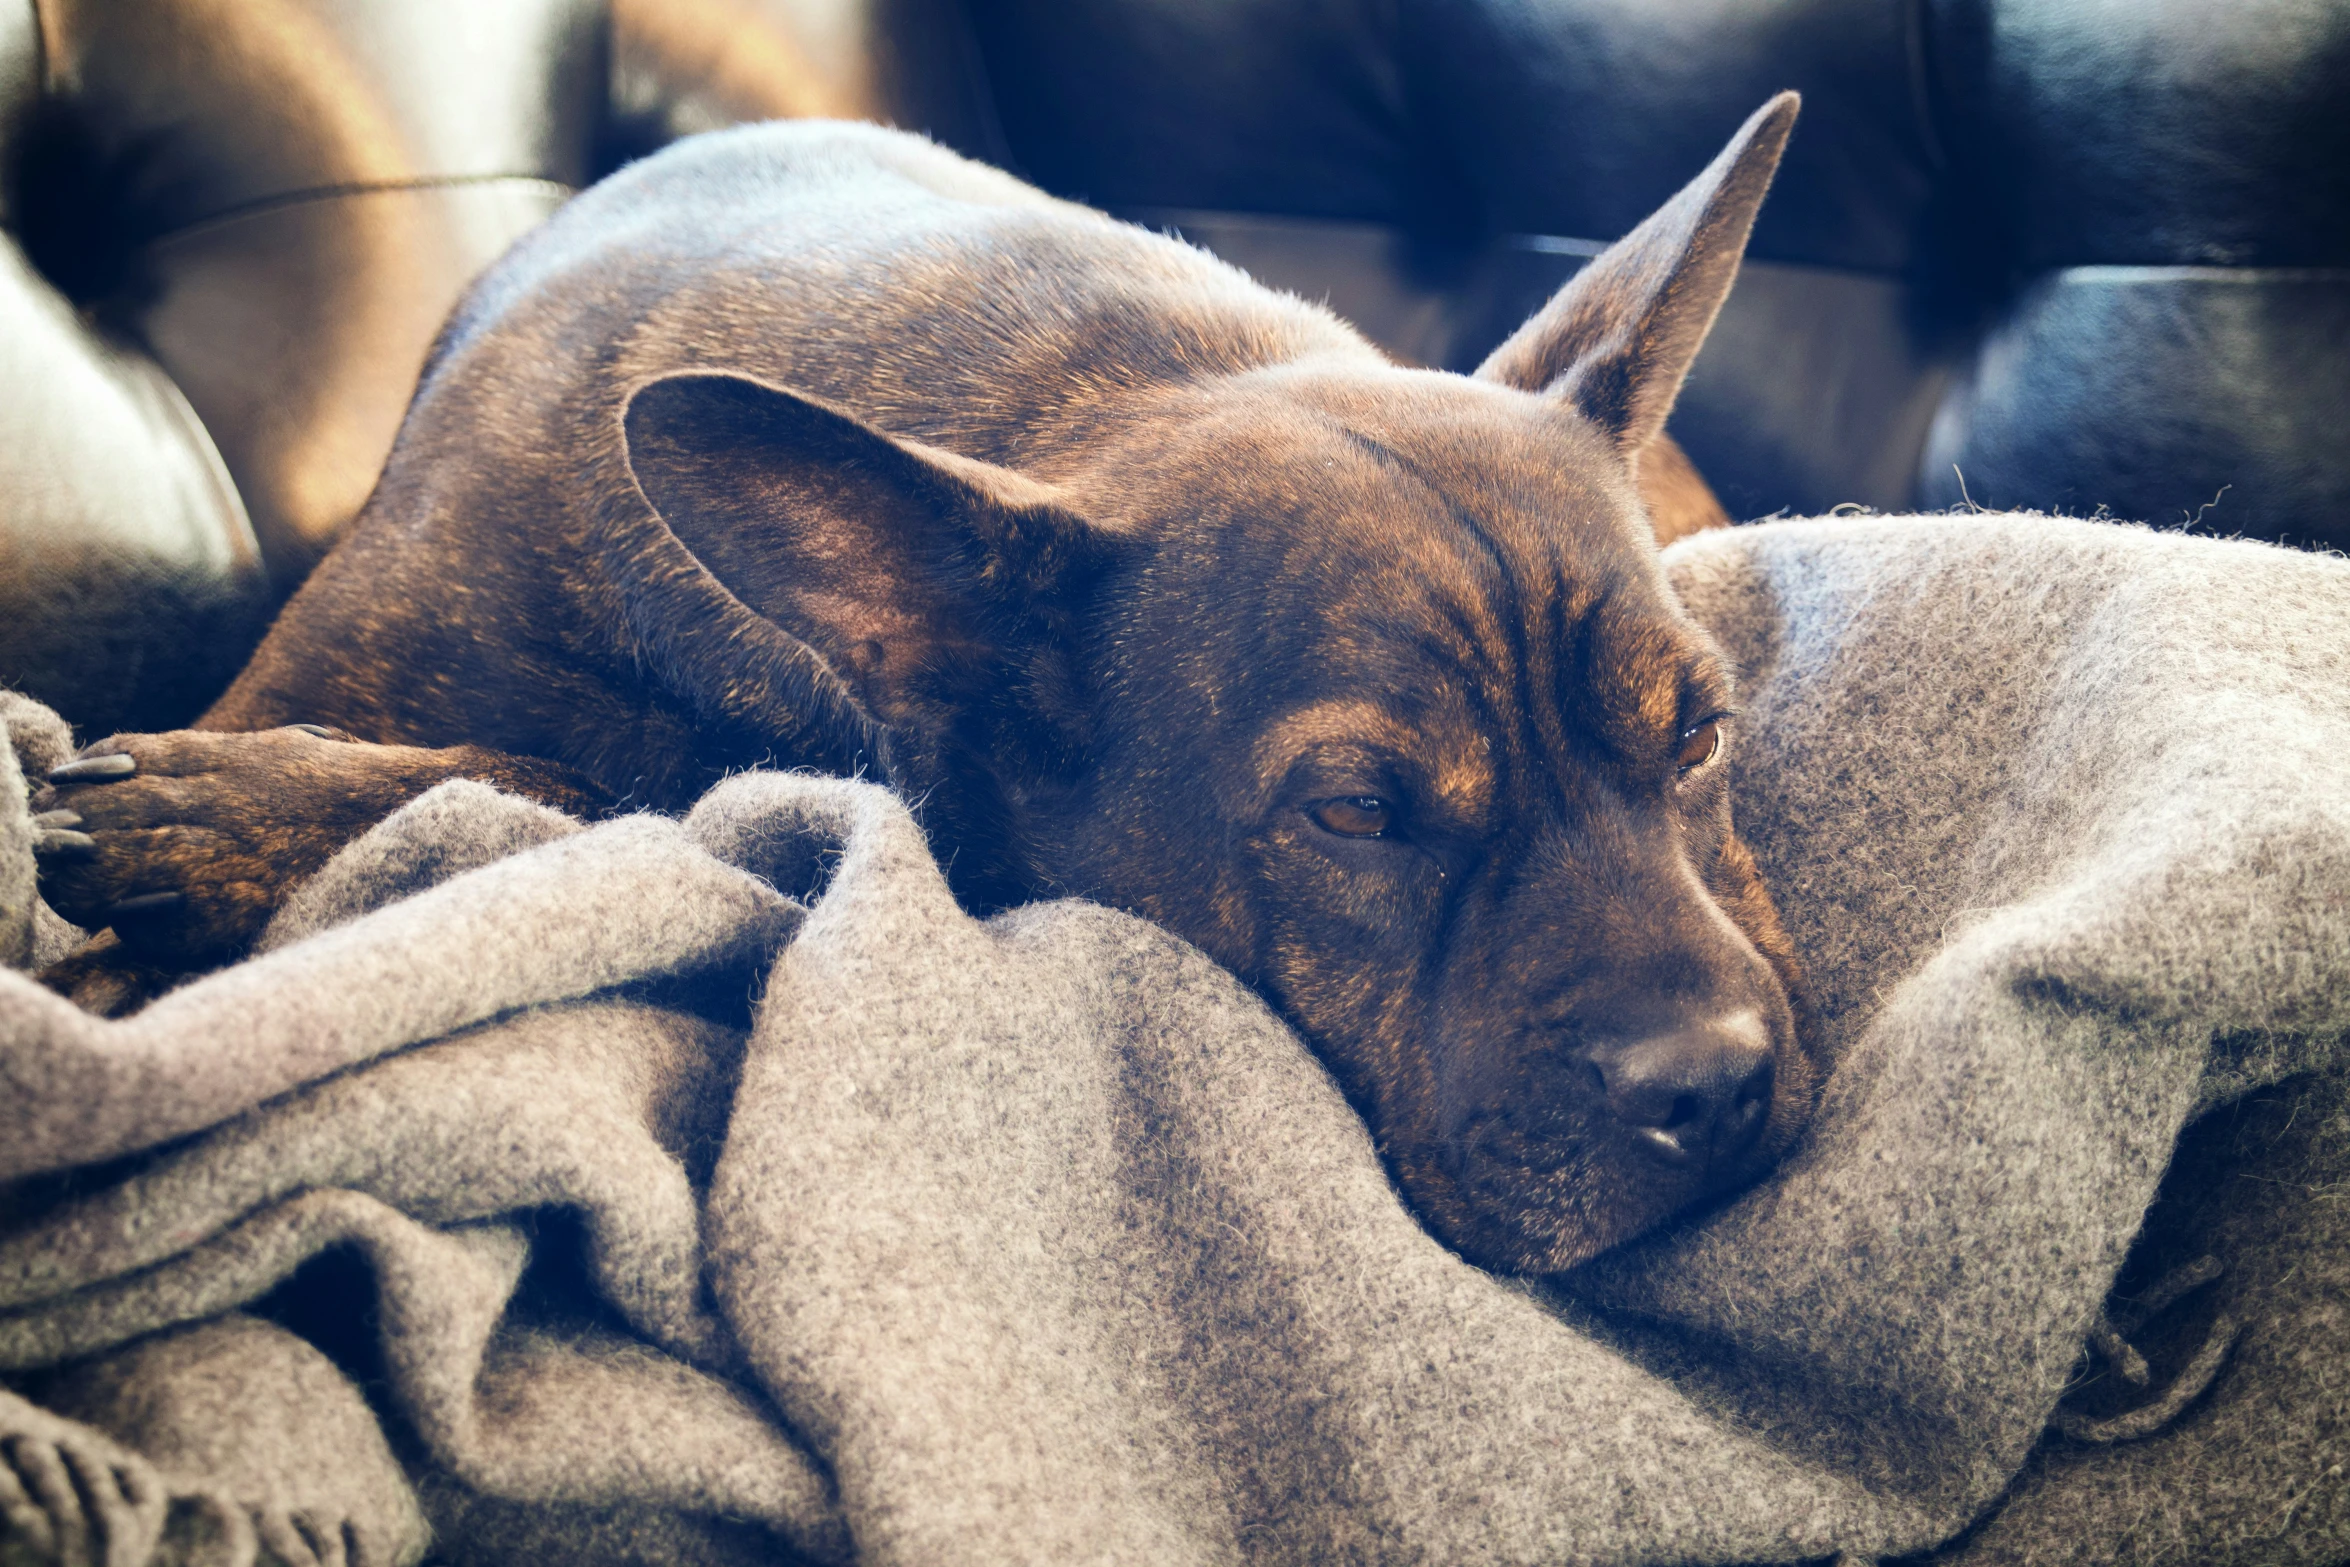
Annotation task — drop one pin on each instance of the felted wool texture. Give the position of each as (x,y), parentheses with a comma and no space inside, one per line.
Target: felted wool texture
(1040,1239)
(35,741)
(264,1443)
(69,1494)
(571,916)
(608,1111)
(471,1530)
(454,827)
(600,1108)
(2252,1472)
(1060,1247)
(2057,815)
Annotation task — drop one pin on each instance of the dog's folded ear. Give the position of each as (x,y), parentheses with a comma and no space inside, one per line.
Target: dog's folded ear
(1618,339)
(940,591)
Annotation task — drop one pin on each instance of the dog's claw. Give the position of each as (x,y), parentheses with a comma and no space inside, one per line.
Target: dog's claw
(56,840)
(147,903)
(319,730)
(83,768)
(58,819)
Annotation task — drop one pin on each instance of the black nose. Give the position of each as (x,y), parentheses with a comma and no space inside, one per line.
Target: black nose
(1697,1094)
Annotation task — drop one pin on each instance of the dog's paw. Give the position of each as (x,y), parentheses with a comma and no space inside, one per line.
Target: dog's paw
(184,843)
(102,977)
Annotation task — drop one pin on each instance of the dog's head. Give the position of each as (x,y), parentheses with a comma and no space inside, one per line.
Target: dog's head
(1368,682)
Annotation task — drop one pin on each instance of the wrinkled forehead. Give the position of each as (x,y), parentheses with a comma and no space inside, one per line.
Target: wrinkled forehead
(1448,576)
(1475,662)
(1484,527)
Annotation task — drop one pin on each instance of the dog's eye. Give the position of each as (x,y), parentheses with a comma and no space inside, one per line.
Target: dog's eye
(1700,746)
(1354,816)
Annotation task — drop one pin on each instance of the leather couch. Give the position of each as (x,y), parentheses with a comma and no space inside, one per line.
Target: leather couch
(2079,255)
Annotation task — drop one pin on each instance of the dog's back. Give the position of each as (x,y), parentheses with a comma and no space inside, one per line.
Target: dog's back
(939,299)
(815,445)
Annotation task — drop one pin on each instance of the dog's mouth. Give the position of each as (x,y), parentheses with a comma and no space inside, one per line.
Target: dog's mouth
(1529,1204)
(1551,1186)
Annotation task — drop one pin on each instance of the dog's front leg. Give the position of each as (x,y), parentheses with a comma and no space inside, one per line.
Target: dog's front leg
(184,844)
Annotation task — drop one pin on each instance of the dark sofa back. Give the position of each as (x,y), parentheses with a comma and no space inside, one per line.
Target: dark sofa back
(2070,254)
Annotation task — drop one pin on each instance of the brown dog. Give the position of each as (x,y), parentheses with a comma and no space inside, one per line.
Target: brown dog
(815,445)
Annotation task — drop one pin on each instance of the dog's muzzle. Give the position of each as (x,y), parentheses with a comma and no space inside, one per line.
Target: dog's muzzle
(1695,1098)
(1584,1145)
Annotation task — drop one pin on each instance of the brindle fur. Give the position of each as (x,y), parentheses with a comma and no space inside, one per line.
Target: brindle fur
(814,445)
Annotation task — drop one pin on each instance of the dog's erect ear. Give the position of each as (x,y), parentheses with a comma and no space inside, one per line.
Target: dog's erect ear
(939,589)
(1618,339)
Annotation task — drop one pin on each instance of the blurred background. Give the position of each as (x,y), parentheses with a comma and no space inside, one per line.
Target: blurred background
(2085,256)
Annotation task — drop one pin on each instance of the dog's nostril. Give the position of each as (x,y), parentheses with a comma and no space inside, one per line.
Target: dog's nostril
(1695,1095)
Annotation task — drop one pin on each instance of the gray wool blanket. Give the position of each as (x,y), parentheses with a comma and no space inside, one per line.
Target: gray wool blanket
(715,1190)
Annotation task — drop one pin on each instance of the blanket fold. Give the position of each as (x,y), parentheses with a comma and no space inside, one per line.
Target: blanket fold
(725,1193)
